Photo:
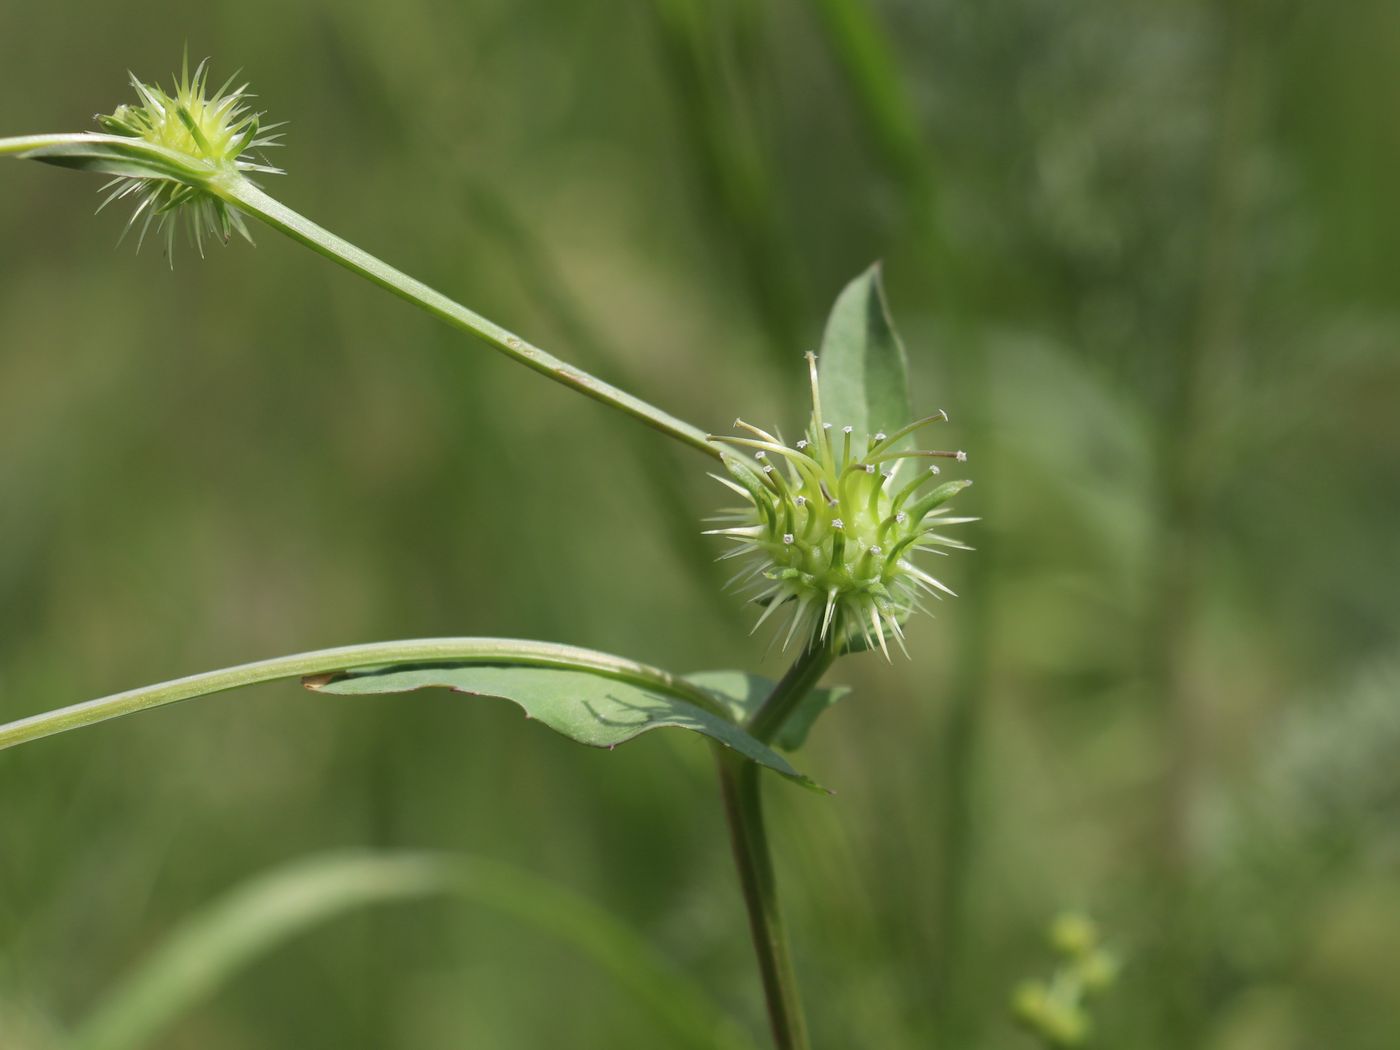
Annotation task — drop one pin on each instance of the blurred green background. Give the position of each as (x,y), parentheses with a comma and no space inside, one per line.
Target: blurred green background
(1145,253)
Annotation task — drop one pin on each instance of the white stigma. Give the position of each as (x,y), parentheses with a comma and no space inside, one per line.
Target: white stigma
(801,444)
(787,538)
(837,523)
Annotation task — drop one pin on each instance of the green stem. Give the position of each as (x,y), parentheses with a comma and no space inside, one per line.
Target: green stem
(247,197)
(114,154)
(800,680)
(353,657)
(741,790)
(743,809)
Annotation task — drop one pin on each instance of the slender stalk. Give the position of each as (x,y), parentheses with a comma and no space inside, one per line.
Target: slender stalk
(741,790)
(114,154)
(800,680)
(353,657)
(249,198)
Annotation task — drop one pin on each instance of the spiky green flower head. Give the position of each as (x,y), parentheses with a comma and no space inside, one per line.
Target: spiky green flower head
(831,533)
(215,134)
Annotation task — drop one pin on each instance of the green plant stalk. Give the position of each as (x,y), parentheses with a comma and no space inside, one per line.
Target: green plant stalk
(347,658)
(250,199)
(237,190)
(743,809)
(741,792)
(801,678)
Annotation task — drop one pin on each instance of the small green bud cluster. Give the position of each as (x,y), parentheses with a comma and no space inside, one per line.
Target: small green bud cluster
(829,530)
(211,132)
(1056,1010)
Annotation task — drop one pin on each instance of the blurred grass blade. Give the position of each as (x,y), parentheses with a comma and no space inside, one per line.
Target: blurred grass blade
(882,100)
(731,158)
(592,697)
(210,948)
(864,374)
(867,57)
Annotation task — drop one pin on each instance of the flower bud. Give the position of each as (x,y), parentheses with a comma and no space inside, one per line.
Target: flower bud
(1073,934)
(212,136)
(830,534)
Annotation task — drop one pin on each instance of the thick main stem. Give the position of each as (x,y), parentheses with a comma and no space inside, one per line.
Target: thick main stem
(741,789)
(743,808)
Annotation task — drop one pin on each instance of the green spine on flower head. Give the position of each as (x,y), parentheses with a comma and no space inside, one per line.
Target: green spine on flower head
(214,132)
(830,535)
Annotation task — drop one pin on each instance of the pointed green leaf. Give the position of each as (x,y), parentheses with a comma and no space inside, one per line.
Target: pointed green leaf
(744,693)
(863,370)
(588,707)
